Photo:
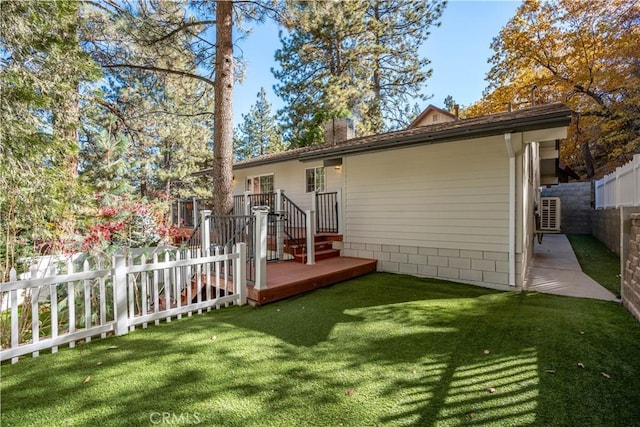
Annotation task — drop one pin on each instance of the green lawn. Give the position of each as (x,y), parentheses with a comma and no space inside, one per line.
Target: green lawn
(597,261)
(380,350)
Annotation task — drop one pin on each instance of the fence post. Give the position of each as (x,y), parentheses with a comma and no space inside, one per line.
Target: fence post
(339,210)
(205,229)
(247,203)
(261,248)
(120,295)
(279,224)
(240,273)
(311,232)
(636,180)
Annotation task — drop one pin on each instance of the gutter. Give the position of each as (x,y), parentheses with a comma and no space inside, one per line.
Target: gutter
(512,209)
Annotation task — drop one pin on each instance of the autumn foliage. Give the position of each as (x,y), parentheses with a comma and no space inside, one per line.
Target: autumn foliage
(582,53)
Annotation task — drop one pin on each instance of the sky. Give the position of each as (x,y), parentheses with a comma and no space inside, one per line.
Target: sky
(458,51)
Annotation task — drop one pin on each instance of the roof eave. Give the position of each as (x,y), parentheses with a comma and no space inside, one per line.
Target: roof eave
(488,129)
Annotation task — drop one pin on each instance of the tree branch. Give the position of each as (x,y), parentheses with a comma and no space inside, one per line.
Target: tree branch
(180,28)
(162,70)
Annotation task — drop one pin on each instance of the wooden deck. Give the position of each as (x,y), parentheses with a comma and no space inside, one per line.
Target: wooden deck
(286,279)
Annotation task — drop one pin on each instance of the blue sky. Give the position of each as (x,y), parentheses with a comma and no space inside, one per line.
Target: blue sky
(458,51)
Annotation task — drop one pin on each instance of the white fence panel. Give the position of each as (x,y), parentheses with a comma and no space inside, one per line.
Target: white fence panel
(86,304)
(620,188)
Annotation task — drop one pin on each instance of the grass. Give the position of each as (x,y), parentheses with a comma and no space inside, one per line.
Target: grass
(597,261)
(379,350)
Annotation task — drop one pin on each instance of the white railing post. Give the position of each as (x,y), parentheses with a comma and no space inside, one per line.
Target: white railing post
(279,224)
(311,232)
(240,273)
(260,246)
(339,211)
(205,230)
(314,201)
(247,203)
(194,212)
(120,295)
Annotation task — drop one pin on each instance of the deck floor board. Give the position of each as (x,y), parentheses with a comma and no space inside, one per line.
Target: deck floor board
(288,278)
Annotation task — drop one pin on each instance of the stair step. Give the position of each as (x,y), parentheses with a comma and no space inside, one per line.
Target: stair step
(320,255)
(319,246)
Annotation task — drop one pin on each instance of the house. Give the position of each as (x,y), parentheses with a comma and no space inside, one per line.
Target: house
(433,115)
(452,200)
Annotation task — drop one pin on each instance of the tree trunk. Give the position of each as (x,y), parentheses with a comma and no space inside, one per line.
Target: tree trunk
(223,117)
(588,159)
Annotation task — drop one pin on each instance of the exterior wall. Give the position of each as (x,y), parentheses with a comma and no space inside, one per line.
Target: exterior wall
(290,177)
(575,206)
(436,210)
(631,282)
(530,182)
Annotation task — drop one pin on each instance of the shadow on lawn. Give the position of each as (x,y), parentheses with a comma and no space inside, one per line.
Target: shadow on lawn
(377,350)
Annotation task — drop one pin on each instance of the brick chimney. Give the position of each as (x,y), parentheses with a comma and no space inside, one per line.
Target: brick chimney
(338,130)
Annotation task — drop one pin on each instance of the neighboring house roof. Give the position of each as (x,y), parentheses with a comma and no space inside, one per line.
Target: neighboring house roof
(533,118)
(430,109)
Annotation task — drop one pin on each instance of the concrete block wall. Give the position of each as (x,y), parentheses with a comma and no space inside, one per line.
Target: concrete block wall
(575,202)
(483,268)
(631,282)
(606,228)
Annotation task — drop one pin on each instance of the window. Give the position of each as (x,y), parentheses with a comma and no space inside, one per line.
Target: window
(435,118)
(261,184)
(314,179)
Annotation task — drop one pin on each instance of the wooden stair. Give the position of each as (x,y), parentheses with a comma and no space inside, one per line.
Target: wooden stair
(323,248)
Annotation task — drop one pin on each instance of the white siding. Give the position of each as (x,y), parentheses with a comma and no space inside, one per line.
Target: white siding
(290,177)
(448,196)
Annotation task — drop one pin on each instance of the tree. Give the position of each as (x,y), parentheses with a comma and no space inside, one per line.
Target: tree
(356,58)
(322,75)
(40,70)
(259,133)
(449,103)
(222,119)
(396,30)
(187,28)
(581,53)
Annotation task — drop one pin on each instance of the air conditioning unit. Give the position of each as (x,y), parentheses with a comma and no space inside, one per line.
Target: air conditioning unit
(550,214)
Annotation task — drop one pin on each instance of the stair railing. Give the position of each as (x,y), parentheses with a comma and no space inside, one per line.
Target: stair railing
(295,223)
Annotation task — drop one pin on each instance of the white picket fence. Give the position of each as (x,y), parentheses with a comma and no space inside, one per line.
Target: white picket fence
(79,305)
(620,188)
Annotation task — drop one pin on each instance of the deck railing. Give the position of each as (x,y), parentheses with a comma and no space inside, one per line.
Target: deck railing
(230,230)
(326,207)
(295,223)
(81,303)
(620,188)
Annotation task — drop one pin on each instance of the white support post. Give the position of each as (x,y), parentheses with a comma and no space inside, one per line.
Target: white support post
(194,213)
(279,224)
(247,203)
(205,230)
(261,249)
(120,295)
(314,201)
(311,232)
(339,217)
(240,273)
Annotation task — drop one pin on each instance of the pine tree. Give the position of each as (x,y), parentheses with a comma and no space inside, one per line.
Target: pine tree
(259,133)
(357,58)
(41,68)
